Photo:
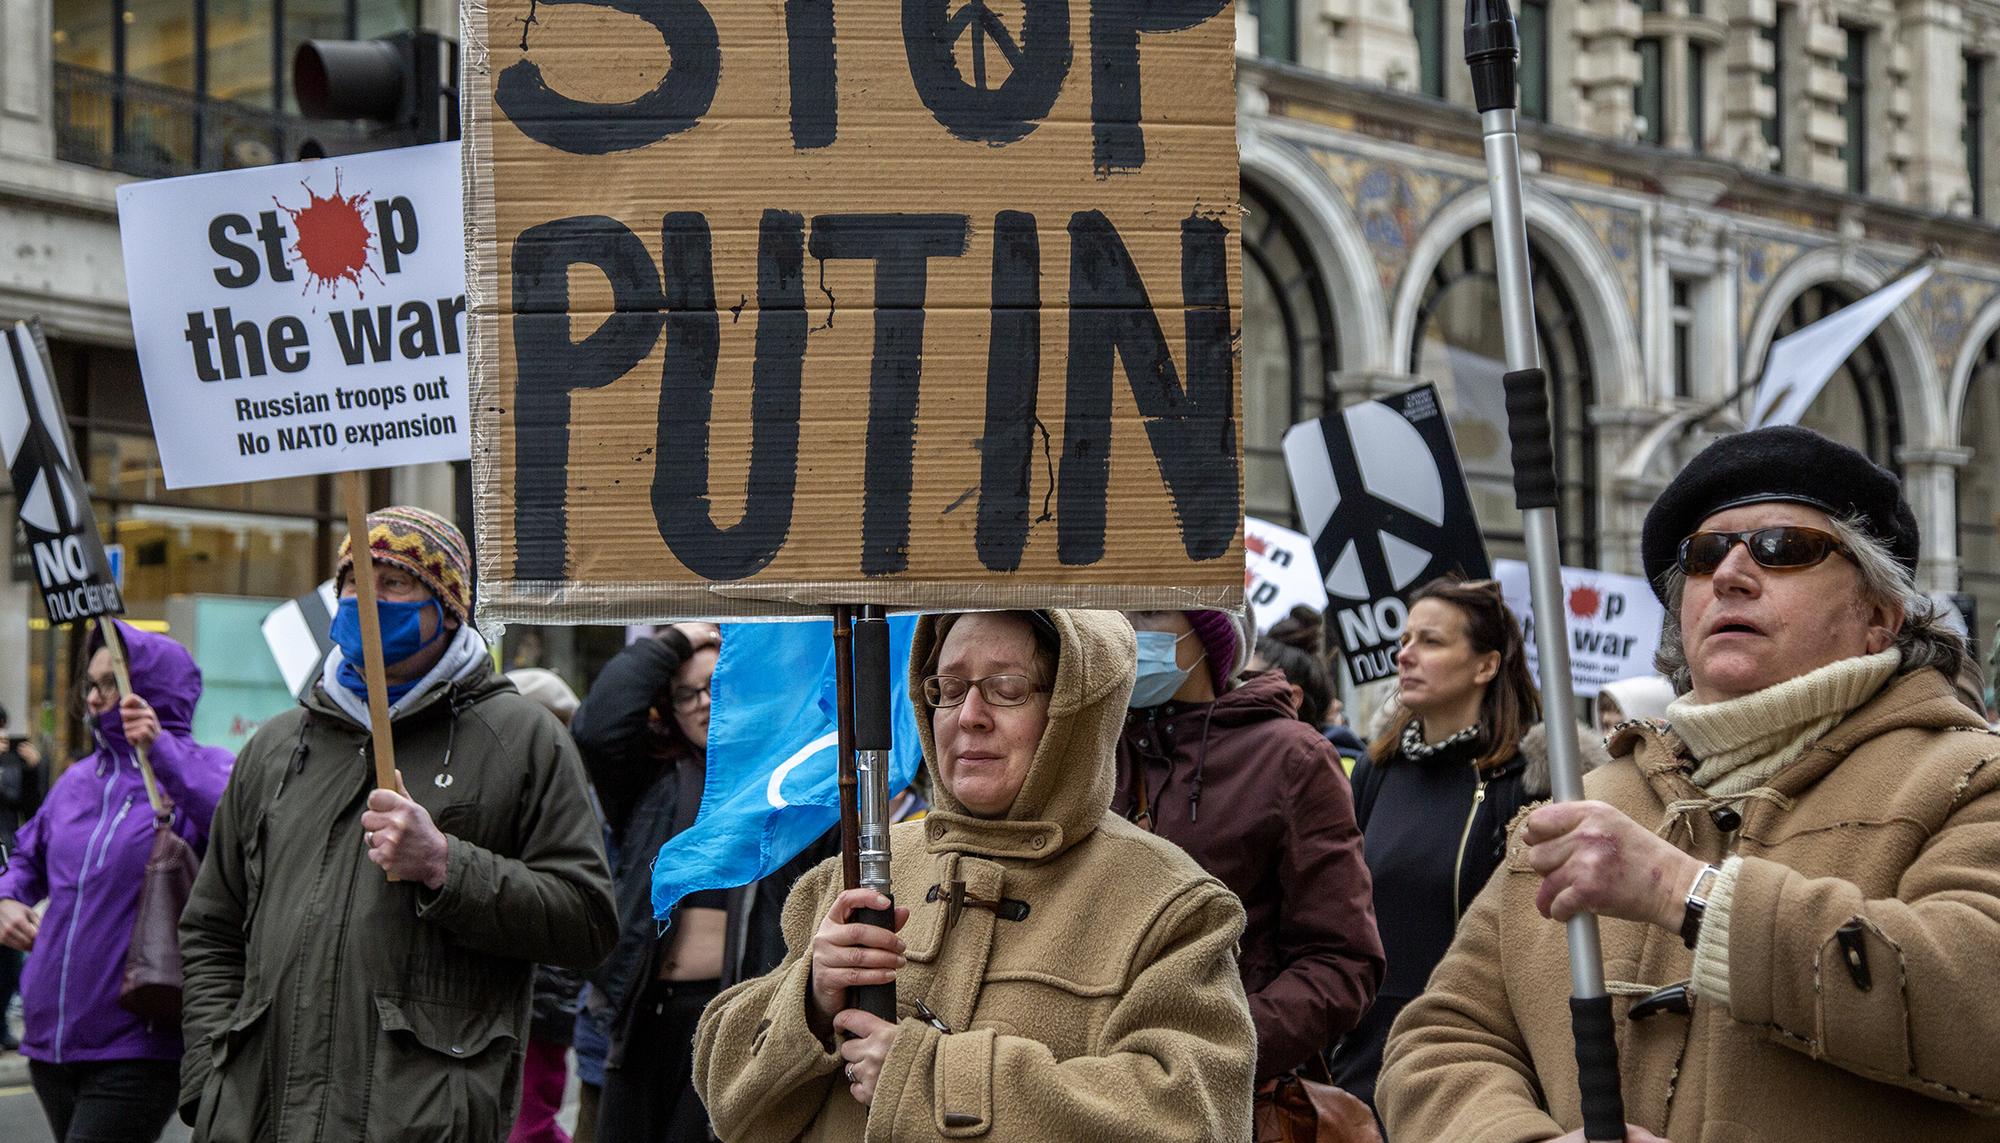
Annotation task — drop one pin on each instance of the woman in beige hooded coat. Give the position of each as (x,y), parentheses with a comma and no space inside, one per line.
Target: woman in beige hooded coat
(1061,973)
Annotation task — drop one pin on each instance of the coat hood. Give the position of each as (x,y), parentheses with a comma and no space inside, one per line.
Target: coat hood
(1068,788)
(163,673)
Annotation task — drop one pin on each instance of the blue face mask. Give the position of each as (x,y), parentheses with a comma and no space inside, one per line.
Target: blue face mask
(402,637)
(1160,672)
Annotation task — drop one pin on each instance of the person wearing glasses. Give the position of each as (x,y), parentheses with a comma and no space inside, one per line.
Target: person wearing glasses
(1060,973)
(643,733)
(1462,752)
(1798,876)
(101,1072)
(1223,767)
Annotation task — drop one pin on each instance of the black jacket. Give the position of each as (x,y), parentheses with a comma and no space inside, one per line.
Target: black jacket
(649,795)
(1433,830)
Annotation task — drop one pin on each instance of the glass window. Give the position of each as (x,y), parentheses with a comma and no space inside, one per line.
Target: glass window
(1288,350)
(1697,96)
(1681,318)
(1855,109)
(1533,26)
(82,33)
(1972,135)
(1858,405)
(1774,123)
(1649,99)
(1277,29)
(159,42)
(1979,499)
(240,52)
(374,18)
(1427,20)
(1459,345)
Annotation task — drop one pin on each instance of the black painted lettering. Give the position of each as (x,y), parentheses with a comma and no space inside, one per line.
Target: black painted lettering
(977,108)
(681,473)
(549,366)
(419,336)
(362,334)
(1013,376)
(581,127)
(201,340)
(1119,142)
(900,245)
(1192,429)
(272,233)
(815,90)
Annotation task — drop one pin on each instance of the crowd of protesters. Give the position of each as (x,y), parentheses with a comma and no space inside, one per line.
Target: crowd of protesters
(1139,895)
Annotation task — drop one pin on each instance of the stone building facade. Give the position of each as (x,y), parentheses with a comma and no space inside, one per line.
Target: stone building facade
(1705,176)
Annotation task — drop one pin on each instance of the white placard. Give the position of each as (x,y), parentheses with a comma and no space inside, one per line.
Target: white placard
(1614,623)
(301,319)
(1279,572)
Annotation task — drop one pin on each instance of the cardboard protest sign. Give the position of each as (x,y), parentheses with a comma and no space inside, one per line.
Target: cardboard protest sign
(779,306)
(301,319)
(1614,623)
(1380,491)
(1280,572)
(70,566)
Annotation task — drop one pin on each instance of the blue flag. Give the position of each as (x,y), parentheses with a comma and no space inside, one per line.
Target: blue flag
(773,756)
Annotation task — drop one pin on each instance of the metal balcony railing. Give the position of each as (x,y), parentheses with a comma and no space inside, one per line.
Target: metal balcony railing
(151,130)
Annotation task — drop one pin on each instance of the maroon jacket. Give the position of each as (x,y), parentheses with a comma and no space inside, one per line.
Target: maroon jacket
(1259,799)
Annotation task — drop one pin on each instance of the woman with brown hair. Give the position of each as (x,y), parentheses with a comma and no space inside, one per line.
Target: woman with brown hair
(1463,753)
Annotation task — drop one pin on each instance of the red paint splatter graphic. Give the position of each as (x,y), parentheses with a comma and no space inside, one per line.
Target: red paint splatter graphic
(1584,602)
(1254,543)
(333,240)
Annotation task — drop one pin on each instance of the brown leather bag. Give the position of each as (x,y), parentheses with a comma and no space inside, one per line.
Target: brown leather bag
(1308,1108)
(152,986)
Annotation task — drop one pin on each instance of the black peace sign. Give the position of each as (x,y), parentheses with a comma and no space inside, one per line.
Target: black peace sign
(1360,515)
(979,20)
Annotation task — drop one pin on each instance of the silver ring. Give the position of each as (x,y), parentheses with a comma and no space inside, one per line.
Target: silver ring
(850,1073)
(368,838)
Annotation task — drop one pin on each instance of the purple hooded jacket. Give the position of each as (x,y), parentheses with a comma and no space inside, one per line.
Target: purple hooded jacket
(86,852)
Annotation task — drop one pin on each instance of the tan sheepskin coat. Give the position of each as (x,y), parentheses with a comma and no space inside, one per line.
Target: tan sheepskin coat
(1112,1011)
(1888,826)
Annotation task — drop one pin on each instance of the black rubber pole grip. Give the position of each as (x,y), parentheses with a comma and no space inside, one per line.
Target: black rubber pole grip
(878,1000)
(1597,1068)
(871,684)
(1528,429)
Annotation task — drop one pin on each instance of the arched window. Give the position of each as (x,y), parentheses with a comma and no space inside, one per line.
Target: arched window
(1979,496)
(1459,345)
(1288,350)
(1858,405)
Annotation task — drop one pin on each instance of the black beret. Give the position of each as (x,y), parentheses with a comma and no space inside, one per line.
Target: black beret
(1783,462)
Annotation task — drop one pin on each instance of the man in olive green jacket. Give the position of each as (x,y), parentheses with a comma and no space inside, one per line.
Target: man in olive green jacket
(324,1002)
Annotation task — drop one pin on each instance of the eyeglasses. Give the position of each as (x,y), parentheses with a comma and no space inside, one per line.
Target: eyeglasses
(1785,547)
(689,698)
(108,687)
(943,691)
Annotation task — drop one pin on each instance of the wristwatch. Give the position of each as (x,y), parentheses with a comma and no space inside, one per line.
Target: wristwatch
(1697,904)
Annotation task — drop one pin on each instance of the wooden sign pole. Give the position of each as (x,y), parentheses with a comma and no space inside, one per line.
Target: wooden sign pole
(108,628)
(353,490)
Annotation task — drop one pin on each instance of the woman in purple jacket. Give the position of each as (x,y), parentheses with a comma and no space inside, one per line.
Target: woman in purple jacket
(101,1072)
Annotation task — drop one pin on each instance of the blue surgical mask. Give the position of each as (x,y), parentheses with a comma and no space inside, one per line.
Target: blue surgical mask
(1160,672)
(402,637)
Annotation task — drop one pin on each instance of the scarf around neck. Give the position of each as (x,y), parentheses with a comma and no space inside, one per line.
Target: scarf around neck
(1742,743)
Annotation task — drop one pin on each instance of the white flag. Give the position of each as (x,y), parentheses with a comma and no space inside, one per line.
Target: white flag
(1800,364)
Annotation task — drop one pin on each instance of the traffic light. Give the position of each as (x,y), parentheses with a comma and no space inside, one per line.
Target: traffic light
(406,83)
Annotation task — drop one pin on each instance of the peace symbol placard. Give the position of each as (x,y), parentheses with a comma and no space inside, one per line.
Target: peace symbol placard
(775,305)
(1380,492)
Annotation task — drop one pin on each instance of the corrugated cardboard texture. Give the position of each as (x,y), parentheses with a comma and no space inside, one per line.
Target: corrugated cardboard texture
(942,428)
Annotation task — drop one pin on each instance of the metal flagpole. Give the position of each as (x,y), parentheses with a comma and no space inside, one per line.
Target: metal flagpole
(1492,50)
(871,771)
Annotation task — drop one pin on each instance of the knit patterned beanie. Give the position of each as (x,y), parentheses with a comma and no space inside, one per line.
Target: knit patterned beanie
(422,543)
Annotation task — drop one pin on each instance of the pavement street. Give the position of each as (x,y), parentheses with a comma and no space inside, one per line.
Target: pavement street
(21,1116)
